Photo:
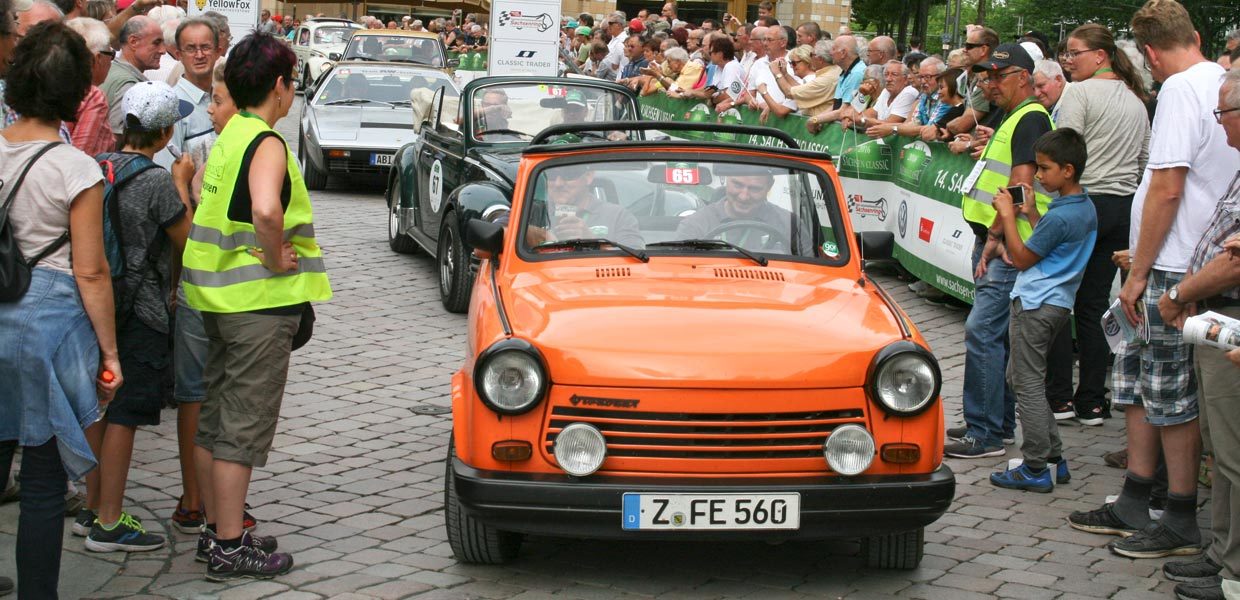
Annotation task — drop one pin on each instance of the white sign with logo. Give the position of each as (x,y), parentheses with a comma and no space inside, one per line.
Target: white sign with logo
(525,38)
(434,187)
(242,15)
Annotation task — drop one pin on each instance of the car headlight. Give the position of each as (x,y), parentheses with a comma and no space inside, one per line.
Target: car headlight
(905,378)
(849,450)
(324,66)
(510,377)
(580,449)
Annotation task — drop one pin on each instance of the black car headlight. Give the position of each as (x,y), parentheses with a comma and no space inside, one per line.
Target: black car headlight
(511,377)
(904,378)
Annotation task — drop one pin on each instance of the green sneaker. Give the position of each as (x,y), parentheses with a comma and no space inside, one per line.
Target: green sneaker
(126,535)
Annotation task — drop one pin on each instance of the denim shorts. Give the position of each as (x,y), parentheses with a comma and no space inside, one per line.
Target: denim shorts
(1159,375)
(189,356)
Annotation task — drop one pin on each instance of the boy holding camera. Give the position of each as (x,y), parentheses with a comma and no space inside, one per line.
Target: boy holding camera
(1051,264)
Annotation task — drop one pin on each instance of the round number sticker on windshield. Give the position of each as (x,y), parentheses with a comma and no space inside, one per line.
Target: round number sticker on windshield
(681,174)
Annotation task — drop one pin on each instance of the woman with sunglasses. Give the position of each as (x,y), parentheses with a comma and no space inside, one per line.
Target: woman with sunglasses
(1106,104)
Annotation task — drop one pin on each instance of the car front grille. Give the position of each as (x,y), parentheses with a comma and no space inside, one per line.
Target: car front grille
(354,167)
(655,441)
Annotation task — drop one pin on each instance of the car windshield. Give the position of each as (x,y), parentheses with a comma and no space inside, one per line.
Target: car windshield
(750,208)
(395,48)
(331,35)
(517,112)
(379,85)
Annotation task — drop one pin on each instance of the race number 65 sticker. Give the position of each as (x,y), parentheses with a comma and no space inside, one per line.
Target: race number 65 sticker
(681,174)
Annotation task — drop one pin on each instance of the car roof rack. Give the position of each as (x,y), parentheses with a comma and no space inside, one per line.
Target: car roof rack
(546,136)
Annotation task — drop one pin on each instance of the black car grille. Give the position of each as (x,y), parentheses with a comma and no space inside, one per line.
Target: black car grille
(356,167)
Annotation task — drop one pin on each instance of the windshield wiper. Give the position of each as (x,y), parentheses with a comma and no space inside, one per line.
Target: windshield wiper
(503,131)
(578,243)
(711,244)
(401,103)
(360,57)
(354,101)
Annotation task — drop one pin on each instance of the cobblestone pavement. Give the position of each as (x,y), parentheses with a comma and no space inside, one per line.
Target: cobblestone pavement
(354,486)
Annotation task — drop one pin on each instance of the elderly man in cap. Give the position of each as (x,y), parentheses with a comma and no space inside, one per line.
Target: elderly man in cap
(1008,160)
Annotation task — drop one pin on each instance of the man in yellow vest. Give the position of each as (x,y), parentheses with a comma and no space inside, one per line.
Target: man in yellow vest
(1008,160)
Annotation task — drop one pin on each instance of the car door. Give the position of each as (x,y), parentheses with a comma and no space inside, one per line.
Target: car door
(301,47)
(439,163)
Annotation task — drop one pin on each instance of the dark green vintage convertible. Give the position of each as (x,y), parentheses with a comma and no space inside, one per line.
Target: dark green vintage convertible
(477,138)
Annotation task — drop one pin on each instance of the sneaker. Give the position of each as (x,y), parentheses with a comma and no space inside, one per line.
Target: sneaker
(1091,417)
(1100,520)
(918,286)
(248,522)
(1156,505)
(1008,441)
(245,561)
(1062,409)
(188,521)
(1195,570)
(1155,541)
(968,447)
(13,493)
(956,433)
(127,535)
(1023,478)
(74,504)
(6,586)
(1117,459)
(1061,473)
(1201,590)
(82,522)
(206,538)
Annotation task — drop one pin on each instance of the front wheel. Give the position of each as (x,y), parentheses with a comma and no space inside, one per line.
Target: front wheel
(454,281)
(315,179)
(473,541)
(895,550)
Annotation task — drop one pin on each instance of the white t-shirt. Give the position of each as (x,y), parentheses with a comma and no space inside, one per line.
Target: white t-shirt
(901,106)
(730,79)
(759,66)
(772,86)
(1185,134)
(615,55)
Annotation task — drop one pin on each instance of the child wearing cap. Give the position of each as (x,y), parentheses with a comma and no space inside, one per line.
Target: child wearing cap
(154,224)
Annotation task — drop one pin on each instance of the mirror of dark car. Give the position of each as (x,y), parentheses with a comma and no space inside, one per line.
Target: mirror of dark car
(876,246)
(454,63)
(486,238)
(334,56)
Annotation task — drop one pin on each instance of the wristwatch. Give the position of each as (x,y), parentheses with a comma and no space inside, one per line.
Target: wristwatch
(1173,294)
(895,129)
(779,76)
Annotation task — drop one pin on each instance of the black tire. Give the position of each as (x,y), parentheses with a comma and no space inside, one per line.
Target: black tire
(895,550)
(473,541)
(455,283)
(315,179)
(400,243)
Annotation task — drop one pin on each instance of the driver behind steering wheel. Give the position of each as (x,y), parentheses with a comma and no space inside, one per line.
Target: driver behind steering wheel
(576,214)
(745,199)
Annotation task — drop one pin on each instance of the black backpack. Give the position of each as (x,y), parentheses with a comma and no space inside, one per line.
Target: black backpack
(118,169)
(15,269)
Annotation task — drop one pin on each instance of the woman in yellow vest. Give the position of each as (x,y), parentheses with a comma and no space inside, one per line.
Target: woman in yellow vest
(252,267)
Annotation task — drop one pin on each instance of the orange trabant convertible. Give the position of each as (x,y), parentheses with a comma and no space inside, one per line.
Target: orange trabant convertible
(675,340)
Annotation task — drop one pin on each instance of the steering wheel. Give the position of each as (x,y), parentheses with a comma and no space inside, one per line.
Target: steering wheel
(775,236)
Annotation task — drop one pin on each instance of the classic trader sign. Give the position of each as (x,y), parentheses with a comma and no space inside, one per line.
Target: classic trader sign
(524,38)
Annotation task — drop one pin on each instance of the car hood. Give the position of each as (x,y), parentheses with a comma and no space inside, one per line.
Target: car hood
(703,329)
(327,49)
(503,161)
(380,126)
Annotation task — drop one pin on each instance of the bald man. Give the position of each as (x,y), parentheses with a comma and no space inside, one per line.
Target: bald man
(39,12)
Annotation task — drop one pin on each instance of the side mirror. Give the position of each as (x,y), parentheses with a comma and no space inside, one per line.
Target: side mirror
(334,56)
(876,246)
(454,63)
(487,239)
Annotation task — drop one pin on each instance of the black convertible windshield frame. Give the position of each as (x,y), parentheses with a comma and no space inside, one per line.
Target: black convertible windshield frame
(830,199)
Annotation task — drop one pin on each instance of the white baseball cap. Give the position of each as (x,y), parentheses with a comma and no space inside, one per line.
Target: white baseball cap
(155,105)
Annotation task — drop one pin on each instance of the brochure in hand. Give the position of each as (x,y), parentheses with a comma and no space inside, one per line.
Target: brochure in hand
(1212,329)
(1119,330)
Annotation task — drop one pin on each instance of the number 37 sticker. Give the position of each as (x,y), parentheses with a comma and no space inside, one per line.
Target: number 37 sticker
(681,174)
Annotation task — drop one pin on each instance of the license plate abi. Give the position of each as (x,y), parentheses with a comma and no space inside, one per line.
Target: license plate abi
(381,160)
(720,512)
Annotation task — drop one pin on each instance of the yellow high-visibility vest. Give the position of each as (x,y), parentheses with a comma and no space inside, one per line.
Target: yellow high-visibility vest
(220,275)
(997,171)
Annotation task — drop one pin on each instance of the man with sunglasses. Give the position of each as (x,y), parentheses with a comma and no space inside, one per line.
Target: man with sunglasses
(1008,160)
(979,42)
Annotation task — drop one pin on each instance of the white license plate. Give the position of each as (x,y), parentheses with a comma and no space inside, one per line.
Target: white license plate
(711,511)
(382,160)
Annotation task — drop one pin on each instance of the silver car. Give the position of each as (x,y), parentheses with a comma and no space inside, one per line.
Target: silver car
(358,114)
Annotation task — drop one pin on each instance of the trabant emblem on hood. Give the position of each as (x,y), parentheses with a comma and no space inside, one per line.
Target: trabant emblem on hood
(603,402)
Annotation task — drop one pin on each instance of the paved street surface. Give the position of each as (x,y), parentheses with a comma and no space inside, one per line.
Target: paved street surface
(354,488)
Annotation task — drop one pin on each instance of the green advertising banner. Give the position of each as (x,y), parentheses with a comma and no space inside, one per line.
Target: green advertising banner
(470,61)
(897,184)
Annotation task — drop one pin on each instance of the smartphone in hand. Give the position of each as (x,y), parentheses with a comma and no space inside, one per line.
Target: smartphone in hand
(1018,194)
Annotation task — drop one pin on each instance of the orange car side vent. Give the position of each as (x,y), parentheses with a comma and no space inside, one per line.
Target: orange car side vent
(603,272)
(725,273)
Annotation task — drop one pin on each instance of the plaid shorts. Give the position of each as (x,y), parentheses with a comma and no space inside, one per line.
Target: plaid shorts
(1159,375)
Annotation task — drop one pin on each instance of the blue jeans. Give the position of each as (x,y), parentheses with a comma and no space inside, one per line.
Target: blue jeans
(989,404)
(41,521)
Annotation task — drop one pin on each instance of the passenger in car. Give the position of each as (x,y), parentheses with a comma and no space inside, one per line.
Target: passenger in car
(745,200)
(574,212)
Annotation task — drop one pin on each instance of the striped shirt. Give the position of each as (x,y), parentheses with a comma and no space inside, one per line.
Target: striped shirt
(1224,224)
